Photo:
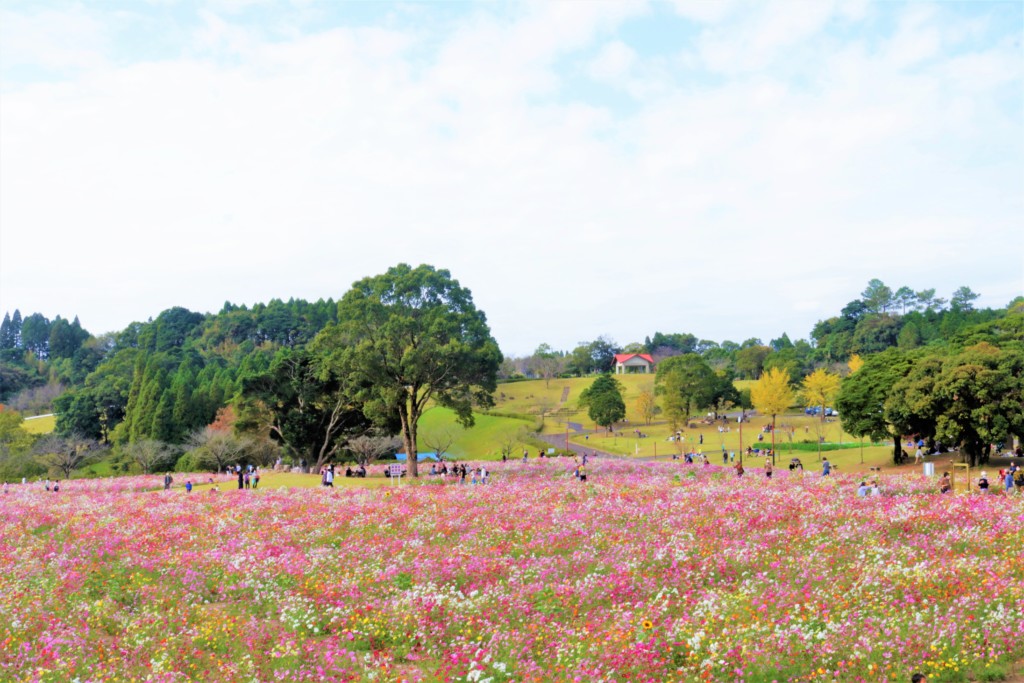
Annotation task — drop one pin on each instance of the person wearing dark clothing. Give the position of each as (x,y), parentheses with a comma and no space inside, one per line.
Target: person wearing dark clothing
(241,479)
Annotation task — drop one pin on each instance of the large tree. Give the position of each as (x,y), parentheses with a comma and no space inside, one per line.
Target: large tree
(410,337)
(863,394)
(685,383)
(603,401)
(970,399)
(302,405)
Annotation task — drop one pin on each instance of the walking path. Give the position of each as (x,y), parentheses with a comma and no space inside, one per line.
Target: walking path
(558,441)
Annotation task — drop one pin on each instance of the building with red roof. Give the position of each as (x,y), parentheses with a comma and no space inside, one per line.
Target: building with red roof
(626,363)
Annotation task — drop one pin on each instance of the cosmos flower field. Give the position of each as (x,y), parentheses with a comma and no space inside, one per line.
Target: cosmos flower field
(648,572)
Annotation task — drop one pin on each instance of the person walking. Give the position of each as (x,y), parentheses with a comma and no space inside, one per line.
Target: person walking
(168,480)
(188,486)
(241,478)
(768,468)
(826,468)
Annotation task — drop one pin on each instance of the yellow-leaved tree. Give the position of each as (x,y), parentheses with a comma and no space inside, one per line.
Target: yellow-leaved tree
(645,405)
(772,395)
(818,389)
(855,363)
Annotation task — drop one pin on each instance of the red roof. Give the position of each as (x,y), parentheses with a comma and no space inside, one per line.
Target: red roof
(623,357)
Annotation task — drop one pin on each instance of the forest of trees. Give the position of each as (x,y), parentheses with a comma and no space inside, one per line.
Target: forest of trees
(880,319)
(257,372)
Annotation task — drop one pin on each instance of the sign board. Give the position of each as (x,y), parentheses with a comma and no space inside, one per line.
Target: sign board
(929,469)
(551,451)
(395,471)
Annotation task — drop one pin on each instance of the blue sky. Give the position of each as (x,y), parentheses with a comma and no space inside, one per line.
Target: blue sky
(722,168)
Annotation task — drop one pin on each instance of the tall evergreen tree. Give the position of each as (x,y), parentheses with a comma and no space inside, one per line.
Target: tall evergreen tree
(6,333)
(16,325)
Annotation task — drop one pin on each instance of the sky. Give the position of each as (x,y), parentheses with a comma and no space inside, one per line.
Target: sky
(725,169)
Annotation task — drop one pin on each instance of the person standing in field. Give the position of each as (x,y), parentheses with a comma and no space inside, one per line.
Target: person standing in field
(826,468)
(768,468)
(188,486)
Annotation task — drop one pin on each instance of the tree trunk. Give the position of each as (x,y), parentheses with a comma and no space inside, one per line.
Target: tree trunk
(897,449)
(409,417)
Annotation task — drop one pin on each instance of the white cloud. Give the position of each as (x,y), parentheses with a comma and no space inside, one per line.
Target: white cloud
(71,40)
(613,62)
(733,207)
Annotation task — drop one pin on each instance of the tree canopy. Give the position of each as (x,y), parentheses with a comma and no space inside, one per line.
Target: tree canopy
(409,337)
(603,401)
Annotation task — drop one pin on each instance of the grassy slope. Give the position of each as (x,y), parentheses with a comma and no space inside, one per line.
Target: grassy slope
(482,441)
(41,425)
(529,397)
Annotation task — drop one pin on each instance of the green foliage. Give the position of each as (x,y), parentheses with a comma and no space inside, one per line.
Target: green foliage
(407,338)
(166,379)
(863,395)
(970,399)
(603,401)
(16,377)
(189,462)
(301,404)
(15,448)
(686,383)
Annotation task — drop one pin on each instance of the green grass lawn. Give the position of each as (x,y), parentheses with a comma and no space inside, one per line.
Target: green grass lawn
(533,396)
(97,469)
(480,442)
(793,428)
(40,425)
